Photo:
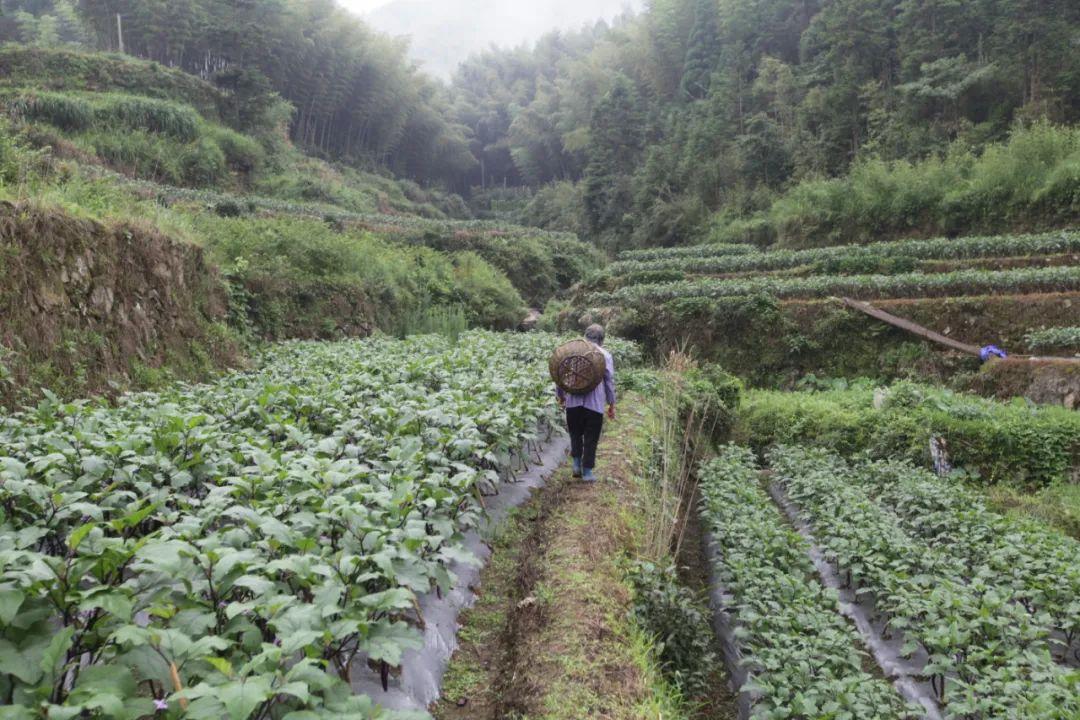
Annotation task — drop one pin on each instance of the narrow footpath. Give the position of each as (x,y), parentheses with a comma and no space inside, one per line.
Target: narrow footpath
(550,637)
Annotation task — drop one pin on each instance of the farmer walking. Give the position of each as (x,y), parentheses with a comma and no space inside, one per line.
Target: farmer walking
(585,413)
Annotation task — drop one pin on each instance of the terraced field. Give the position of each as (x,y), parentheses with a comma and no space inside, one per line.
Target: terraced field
(771,315)
(968,614)
(919,268)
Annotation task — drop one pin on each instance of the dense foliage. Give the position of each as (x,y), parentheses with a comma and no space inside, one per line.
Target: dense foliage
(985,606)
(720,105)
(1060,338)
(220,548)
(296,269)
(676,618)
(354,94)
(911,284)
(1011,443)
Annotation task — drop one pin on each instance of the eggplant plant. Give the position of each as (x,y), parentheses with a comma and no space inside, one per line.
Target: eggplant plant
(236,549)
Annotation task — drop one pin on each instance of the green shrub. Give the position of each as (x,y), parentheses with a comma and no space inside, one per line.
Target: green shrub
(1017,444)
(67,112)
(487,295)
(203,164)
(716,395)
(679,623)
(242,153)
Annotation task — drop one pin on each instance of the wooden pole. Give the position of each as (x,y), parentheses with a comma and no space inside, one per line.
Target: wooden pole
(916,329)
(120,33)
(868,309)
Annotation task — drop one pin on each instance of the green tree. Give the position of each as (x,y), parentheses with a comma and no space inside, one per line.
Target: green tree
(615,144)
(702,51)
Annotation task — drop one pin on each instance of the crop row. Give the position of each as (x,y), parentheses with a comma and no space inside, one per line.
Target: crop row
(802,658)
(706,259)
(216,550)
(684,251)
(1040,569)
(988,654)
(1058,338)
(961,282)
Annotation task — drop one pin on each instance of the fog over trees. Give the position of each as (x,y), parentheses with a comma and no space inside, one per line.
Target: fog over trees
(443,33)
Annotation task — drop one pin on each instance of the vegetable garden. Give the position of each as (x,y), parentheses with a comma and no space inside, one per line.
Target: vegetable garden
(229,550)
(980,609)
(702,259)
(950,284)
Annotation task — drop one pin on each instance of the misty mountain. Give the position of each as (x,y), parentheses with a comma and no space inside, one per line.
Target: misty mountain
(445,32)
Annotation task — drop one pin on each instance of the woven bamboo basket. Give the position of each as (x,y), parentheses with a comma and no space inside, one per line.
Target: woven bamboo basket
(577,367)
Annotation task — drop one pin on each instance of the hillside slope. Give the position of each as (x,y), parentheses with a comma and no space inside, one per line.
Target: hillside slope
(287,245)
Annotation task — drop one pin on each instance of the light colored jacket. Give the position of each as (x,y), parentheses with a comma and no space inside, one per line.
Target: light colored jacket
(601,394)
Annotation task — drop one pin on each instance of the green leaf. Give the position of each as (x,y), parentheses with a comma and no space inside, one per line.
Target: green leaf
(387,641)
(79,534)
(54,655)
(220,664)
(14,662)
(114,602)
(10,602)
(241,698)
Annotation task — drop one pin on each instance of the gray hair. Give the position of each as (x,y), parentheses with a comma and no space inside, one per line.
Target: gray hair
(595,334)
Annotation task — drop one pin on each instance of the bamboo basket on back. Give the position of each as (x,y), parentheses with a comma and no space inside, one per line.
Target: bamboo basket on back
(577,367)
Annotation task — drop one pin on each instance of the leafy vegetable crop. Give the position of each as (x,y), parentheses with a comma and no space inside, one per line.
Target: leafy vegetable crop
(231,550)
(719,259)
(711,250)
(803,659)
(986,632)
(960,282)
(1039,568)
(1054,338)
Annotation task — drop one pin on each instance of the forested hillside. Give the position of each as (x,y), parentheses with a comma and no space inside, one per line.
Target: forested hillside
(113,166)
(354,95)
(694,119)
(280,315)
(734,111)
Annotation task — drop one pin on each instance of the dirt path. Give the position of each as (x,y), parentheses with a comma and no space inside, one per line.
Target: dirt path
(550,637)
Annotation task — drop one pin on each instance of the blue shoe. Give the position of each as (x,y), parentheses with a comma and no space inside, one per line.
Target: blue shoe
(588,476)
(577,467)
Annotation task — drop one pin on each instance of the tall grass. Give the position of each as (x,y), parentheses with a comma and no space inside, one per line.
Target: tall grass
(683,425)
(157,116)
(447,320)
(1030,182)
(65,111)
(76,112)
(153,139)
